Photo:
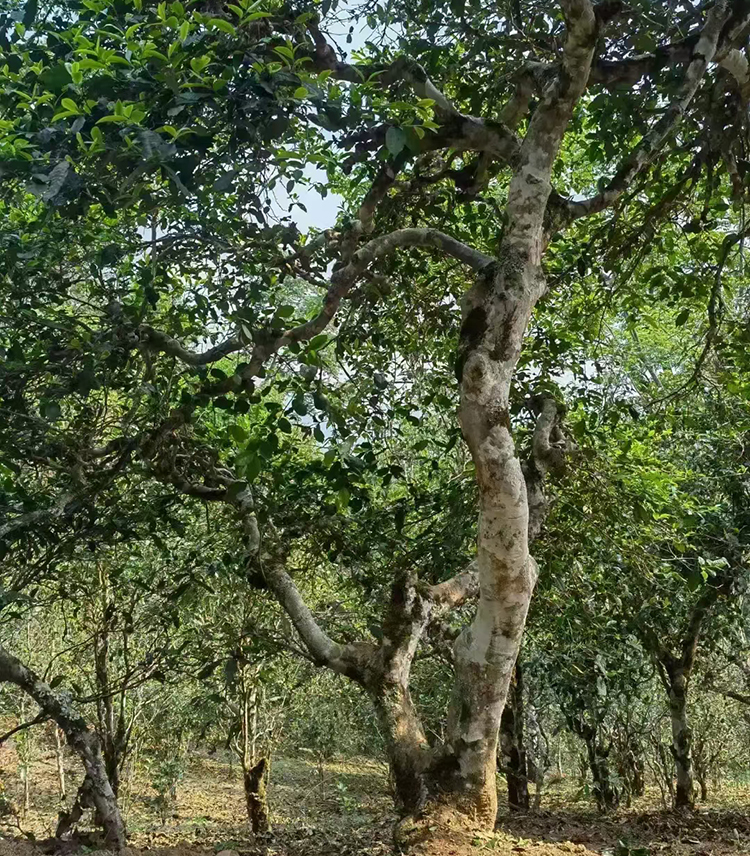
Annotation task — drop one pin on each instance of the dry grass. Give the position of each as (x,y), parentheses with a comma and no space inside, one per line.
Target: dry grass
(344,808)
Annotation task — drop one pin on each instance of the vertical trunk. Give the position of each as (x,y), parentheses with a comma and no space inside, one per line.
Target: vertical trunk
(639,777)
(254,780)
(605,793)
(60,758)
(513,746)
(495,314)
(681,739)
(24,758)
(26,787)
(79,736)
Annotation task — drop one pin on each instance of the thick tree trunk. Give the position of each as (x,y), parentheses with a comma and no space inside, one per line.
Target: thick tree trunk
(254,781)
(496,311)
(513,747)
(681,740)
(79,736)
(406,744)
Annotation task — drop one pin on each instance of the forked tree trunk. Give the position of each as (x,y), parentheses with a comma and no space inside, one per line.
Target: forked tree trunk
(681,740)
(513,747)
(80,737)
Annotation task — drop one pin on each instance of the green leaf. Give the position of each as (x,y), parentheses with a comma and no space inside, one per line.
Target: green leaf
(682,318)
(395,140)
(253,468)
(342,498)
(29,12)
(51,411)
(237,432)
(318,341)
(300,92)
(56,77)
(70,104)
(223,25)
(198,63)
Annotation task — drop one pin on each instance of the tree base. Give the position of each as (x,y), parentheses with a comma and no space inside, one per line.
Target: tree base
(440,830)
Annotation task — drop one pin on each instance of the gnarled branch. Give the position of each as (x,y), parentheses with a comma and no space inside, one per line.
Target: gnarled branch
(703,51)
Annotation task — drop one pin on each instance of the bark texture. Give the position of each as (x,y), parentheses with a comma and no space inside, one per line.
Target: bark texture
(681,740)
(254,781)
(79,736)
(513,747)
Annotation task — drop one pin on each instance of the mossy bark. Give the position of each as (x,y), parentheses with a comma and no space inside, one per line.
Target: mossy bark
(254,780)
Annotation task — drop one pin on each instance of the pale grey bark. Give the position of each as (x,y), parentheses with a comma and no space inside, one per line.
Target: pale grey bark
(80,737)
(496,313)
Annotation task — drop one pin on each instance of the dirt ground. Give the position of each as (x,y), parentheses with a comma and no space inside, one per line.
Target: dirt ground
(344,808)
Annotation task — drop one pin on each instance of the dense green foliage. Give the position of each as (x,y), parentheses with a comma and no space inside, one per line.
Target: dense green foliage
(171,355)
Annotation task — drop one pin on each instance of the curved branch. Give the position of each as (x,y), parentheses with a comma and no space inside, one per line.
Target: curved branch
(643,154)
(342,281)
(159,341)
(455,591)
(323,649)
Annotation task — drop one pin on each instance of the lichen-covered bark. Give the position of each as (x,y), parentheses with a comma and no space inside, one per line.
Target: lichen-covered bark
(79,736)
(386,677)
(681,740)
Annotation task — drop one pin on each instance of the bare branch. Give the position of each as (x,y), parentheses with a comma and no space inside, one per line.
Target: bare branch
(457,590)
(322,648)
(530,186)
(40,717)
(159,341)
(342,281)
(616,73)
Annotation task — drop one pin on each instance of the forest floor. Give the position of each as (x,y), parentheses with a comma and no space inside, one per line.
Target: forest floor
(344,808)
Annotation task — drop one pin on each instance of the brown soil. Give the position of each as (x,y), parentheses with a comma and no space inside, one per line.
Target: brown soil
(344,808)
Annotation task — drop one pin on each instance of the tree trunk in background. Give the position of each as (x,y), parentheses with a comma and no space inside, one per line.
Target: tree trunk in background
(60,758)
(254,781)
(80,737)
(106,711)
(607,797)
(513,747)
(681,740)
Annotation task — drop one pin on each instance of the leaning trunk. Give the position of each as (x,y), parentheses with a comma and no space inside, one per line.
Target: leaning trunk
(80,737)
(405,741)
(513,747)
(681,740)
